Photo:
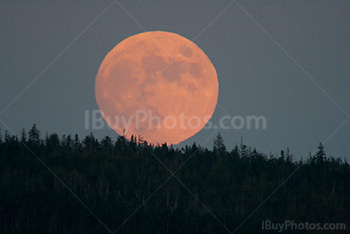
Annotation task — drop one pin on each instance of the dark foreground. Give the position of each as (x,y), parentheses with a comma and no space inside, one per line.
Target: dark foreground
(64,185)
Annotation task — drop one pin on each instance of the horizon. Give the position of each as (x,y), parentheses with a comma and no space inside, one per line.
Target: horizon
(295,158)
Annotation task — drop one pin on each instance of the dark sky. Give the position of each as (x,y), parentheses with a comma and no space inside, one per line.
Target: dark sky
(285,60)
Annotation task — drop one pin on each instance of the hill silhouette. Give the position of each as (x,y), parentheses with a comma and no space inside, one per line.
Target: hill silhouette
(67,185)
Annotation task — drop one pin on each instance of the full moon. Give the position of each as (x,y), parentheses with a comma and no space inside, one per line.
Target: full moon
(157,85)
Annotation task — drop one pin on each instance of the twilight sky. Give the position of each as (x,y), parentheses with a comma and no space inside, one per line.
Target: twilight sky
(285,60)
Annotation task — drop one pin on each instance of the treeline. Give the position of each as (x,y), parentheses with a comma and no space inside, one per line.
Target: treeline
(49,184)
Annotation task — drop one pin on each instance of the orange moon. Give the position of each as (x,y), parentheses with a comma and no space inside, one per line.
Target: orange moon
(158,85)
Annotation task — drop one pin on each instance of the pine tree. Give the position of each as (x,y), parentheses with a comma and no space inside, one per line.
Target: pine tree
(34,135)
(320,155)
(219,145)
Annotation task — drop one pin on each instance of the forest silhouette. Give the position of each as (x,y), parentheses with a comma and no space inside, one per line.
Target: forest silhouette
(55,184)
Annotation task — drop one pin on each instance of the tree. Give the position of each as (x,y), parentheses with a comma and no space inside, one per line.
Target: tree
(53,142)
(107,145)
(34,135)
(91,143)
(219,145)
(23,136)
(320,155)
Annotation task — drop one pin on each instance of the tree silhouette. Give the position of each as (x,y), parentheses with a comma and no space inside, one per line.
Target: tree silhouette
(219,145)
(115,179)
